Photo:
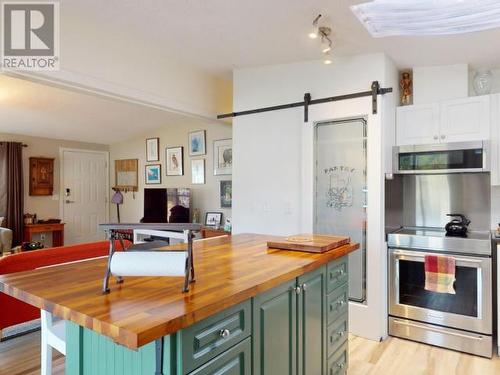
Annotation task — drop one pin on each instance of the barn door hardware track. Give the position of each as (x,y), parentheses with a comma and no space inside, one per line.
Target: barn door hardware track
(374,92)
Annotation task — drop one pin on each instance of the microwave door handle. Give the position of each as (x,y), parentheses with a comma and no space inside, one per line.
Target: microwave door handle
(420,256)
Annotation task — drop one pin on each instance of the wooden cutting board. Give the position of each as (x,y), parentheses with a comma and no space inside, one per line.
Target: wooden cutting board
(311,243)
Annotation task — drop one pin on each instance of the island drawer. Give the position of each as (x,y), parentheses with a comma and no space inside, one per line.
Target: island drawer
(337,364)
(337,334)
(337,273)
(207,339)
(337,303)
(235,361)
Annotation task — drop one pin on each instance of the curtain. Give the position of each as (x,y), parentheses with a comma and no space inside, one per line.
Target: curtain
(11,186)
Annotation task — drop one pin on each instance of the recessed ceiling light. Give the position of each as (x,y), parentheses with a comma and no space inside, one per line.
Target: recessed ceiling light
(427,17)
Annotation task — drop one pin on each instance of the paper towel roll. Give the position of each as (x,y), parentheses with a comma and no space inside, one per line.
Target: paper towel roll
(148,263)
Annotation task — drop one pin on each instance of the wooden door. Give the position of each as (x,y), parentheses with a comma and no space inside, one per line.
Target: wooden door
(466,119)
(275,331)
(84,195)
(312,323)
(417,124)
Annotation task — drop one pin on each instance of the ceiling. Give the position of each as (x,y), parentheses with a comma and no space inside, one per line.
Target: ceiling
(220,35)
(30,108)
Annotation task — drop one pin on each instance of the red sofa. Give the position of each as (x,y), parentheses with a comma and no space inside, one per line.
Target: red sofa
(13,311)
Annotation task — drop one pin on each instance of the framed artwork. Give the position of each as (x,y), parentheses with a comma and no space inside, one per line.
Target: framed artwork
(198,171)
(226,194)
(213,219)
(174,157)
(153,174)
(197,143)
(223,157)
(153,149)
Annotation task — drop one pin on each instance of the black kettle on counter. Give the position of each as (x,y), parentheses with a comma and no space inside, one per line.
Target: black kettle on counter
(457,227)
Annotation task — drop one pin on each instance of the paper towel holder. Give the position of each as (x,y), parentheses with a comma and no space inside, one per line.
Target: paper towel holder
(115,232)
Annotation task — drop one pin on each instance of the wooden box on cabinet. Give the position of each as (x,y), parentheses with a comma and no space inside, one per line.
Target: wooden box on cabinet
(41,176)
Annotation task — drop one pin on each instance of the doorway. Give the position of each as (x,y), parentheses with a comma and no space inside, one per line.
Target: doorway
(84,195)
(340,192)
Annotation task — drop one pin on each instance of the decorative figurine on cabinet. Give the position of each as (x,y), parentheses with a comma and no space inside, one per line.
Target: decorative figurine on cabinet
(406,85)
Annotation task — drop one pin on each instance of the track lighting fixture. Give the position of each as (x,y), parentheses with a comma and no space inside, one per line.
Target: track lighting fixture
(326,43)
(315,30)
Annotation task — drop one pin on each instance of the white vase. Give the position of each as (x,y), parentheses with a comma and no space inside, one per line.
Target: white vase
(482,82)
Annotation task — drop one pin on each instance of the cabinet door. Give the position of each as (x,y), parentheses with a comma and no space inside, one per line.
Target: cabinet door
(417,124)
(465,119)
(235,361)
(312,323)
(275,331)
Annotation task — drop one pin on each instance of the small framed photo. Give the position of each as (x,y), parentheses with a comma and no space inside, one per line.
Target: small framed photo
(153,149)
(197,143)
(213,219)
(198,171)
(153,174)
(226,194)
(223,156)
(174,157)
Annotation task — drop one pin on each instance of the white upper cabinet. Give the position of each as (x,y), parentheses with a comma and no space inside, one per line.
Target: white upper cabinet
(455,120)
(465,119)
(417,124)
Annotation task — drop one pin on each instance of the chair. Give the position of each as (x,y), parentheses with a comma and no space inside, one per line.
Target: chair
(53,336)
(5,238)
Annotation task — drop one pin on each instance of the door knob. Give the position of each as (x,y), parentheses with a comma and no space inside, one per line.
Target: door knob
(297,289)
(68,201)
(443,136)
(304,287)
(435,137)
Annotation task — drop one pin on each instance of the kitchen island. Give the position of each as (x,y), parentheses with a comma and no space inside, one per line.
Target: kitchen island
(252,310)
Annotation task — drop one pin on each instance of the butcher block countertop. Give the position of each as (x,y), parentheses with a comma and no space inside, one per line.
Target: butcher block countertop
(229,270)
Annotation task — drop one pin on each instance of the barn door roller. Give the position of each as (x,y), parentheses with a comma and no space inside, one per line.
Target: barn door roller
(374,92)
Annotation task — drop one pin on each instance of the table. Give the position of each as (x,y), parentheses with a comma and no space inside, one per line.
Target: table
(57,231)
(245,296)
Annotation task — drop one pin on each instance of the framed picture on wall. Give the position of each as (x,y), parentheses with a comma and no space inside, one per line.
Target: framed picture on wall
(213,219)
(226,194)
(174,157)
(223,156)
(197,143)
(153,149)
(153,174)
(198,171)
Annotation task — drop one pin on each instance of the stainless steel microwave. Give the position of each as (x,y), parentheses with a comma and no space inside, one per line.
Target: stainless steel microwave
(456,157)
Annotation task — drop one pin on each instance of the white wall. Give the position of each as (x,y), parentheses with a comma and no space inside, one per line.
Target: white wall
(273,158)
(45,207)
(434,83)
(204,197)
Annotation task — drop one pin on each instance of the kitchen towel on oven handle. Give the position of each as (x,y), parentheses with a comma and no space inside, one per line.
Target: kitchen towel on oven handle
(440,274)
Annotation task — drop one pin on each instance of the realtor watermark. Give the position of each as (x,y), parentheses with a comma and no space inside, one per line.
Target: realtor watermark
(30,35)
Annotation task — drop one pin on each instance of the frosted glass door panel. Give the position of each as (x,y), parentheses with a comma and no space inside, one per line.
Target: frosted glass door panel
(340,191)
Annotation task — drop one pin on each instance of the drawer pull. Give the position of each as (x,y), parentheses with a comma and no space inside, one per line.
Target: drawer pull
(224,333)
(341,302)
(340,364)
(341,333)
(304,287)
(297,289)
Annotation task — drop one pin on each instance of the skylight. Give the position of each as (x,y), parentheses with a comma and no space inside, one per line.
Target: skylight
(427,17)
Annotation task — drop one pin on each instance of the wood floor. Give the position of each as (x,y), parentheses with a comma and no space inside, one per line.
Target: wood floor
(21,356)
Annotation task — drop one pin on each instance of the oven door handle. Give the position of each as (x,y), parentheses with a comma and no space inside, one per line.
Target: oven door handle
(420,256)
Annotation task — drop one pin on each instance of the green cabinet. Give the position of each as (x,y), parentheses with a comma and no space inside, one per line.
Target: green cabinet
(275,331)
(312,322)
(290,327)
(235,361)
